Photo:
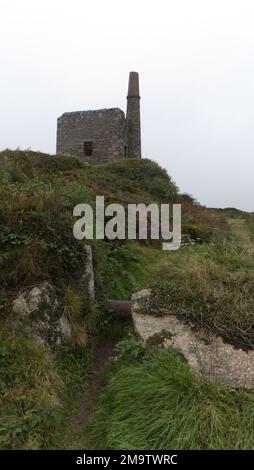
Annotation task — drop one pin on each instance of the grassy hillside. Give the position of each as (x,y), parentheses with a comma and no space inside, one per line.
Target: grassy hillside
(37,196)
(211,276)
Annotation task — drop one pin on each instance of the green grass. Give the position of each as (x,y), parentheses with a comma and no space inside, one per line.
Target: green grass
(39,387)
(152,400)
(156,403)
(37,196)
(211,286)
(30,390)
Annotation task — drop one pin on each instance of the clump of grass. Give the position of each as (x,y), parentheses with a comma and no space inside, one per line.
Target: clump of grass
(73,304)
(158,404)
(75,311)
(204,293)
(111,259)
(30,389)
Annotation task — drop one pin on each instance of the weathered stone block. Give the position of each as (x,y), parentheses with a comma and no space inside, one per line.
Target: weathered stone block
(205,352)
(40,310)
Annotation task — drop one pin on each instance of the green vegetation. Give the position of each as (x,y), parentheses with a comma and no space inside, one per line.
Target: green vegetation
(152,400)
(30,390)
(37,196)
(212,287)
(156,403)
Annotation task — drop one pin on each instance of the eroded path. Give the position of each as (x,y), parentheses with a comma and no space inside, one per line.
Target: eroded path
(239,228)
(77,434)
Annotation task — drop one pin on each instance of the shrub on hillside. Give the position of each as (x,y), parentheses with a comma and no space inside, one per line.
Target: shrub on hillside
(207,219)
(141,178)
(197,233)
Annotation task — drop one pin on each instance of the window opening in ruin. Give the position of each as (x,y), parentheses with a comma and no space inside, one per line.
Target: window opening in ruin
(88,149)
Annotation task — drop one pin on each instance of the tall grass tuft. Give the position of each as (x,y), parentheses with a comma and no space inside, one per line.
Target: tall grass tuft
(158,404)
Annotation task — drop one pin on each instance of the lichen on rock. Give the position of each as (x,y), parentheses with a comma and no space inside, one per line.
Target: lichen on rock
(41,311)
(206,353)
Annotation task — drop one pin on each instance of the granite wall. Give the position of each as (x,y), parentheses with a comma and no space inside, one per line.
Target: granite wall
(102,132)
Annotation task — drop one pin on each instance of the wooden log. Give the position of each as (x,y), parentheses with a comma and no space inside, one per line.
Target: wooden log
(119,308)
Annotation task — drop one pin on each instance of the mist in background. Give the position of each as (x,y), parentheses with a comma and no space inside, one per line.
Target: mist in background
(196,64)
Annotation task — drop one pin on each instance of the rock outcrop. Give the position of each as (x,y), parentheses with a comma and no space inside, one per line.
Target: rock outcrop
(206,353)
(88,276)
(39,308)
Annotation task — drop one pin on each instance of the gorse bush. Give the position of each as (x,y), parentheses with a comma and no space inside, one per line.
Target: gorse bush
(197,233)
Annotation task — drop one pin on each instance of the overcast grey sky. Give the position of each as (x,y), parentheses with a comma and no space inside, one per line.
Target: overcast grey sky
(196,64)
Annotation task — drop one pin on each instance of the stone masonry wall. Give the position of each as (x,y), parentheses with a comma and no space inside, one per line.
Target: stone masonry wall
(133,116)
(106,128)
(133,125)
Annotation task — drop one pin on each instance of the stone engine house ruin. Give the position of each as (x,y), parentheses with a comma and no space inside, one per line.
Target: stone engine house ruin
(103,135)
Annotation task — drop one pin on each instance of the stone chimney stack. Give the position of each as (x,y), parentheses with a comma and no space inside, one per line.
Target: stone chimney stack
(133,117)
